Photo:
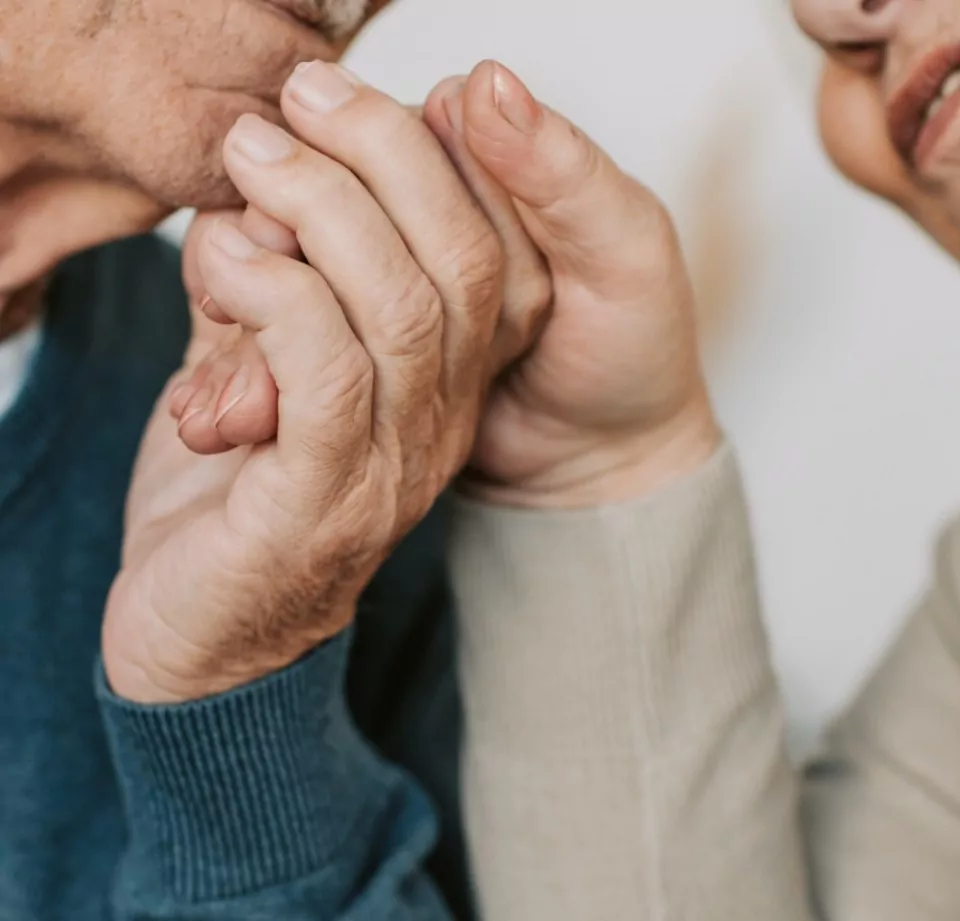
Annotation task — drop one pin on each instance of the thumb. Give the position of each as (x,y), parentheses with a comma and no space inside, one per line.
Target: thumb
(580,209)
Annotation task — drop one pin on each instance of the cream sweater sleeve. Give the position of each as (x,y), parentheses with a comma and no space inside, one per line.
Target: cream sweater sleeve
(624,753)
(882,803)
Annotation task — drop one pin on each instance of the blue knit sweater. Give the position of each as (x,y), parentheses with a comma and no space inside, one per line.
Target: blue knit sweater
(292,799)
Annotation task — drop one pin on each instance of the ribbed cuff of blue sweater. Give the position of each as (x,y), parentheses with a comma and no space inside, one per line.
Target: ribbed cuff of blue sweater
(247,790)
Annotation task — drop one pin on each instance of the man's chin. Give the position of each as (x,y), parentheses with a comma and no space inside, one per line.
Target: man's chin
(183,166)
(203,192)
(216,196)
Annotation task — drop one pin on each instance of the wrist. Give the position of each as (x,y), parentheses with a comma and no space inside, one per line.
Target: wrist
(613,469)
(213,785)
(146,664)
(146,685)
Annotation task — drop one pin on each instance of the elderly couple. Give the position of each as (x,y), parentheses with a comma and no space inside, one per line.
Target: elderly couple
(250,666)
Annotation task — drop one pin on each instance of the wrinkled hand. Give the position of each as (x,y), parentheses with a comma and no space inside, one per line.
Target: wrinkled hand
(236,565)
(607,400)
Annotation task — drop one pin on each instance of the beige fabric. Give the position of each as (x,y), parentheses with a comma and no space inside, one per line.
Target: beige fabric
(624,750)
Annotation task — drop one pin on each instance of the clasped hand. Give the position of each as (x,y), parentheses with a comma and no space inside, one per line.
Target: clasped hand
(407,295)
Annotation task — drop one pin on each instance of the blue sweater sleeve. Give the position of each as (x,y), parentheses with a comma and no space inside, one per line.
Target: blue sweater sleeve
(266,803)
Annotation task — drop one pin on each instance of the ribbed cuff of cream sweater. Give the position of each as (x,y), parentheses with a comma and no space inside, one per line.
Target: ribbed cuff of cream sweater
(617,687)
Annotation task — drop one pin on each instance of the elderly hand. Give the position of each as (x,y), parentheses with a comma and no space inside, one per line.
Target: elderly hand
(607,401)
(236,565)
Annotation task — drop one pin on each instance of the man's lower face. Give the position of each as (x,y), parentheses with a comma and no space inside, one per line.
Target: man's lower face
(156,84)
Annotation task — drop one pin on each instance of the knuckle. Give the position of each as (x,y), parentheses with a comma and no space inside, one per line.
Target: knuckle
(575,164)
(297,296)
(395,124)
(414,330)
(298,288)
(412,317)
(327,181)
(478,268)
(344,388)
(583,158)
(337,181)
(332,448)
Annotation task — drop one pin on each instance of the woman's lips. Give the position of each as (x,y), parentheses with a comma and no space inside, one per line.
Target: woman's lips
(936,127)
(913,134)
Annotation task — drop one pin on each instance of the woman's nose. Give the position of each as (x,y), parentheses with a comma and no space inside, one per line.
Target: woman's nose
(848,22)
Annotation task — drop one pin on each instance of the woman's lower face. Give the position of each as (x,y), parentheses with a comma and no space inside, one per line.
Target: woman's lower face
(890,103)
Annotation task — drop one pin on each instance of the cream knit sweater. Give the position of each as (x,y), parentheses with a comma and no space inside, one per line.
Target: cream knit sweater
(625,750)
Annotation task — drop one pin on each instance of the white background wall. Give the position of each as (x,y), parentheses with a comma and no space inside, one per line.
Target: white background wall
(834,357)
(837,373)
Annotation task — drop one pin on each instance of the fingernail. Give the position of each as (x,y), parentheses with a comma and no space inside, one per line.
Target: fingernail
(321,87)
(229,240)
(178,393)
(260,141)
(235,391)
(514,101)
(205,304)
(453,106)
(196,406)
